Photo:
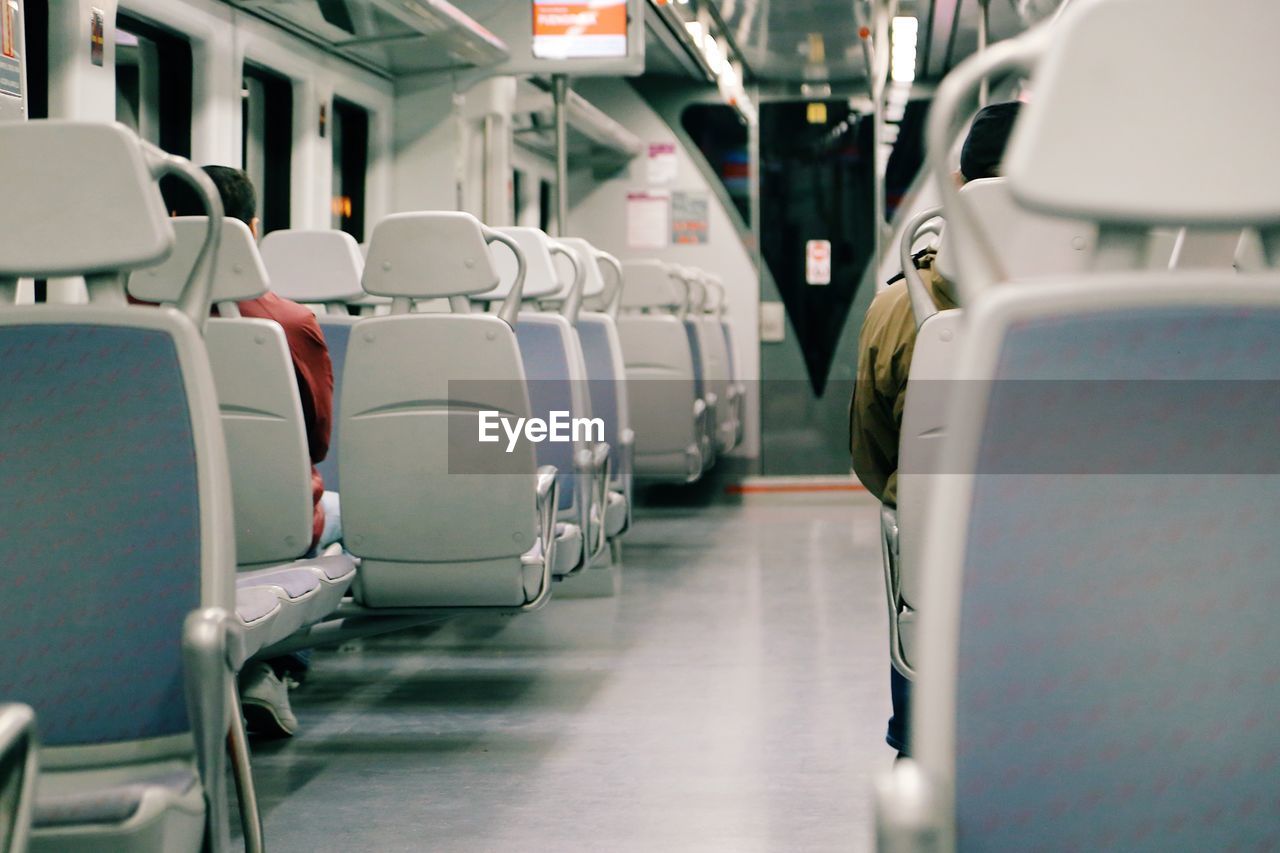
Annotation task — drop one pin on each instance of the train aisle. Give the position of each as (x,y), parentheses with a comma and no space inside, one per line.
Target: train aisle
(733,698)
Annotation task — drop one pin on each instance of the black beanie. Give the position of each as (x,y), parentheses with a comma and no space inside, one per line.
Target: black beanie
(988,135)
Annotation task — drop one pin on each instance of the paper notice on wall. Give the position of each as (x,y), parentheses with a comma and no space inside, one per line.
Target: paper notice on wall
(648,219)
(579,30)
(662,163)
(689,219)
(817,262)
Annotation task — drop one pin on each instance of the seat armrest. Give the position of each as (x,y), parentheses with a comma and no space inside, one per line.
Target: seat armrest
(546,481)
(548,498)
(627,466)
(592,485)
(908,811)
(209,679)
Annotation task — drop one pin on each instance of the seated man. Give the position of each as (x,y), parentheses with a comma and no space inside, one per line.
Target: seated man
(264,687)
(885,346)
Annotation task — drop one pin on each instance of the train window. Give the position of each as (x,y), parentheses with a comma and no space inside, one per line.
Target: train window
(153,83)
(350,163)
(266,142)
(518,193)
(722,138)
(544,206)
(35,30)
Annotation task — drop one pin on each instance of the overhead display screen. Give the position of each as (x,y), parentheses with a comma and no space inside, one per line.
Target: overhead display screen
(587,29)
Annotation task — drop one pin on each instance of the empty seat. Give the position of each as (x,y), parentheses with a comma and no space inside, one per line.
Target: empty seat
(719,365)
(668,416)
(704,385)
(557,377)
(321,268)
(606,372)
(117,504)
(265,433)
(437,519)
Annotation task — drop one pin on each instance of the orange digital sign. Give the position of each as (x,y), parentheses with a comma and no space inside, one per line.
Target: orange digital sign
(588,29)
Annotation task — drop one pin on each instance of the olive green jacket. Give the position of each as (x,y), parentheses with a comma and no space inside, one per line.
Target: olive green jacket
(885,346)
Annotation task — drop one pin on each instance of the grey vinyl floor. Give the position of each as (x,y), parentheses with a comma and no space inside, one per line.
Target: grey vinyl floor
(733,697)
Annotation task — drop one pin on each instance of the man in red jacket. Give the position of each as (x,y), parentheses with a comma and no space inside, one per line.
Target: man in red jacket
(264,684)
(311,363)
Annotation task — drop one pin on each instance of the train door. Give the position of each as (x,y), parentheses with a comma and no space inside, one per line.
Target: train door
(266,142)
(350,166)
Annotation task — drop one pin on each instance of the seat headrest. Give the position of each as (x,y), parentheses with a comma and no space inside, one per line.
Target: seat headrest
(540,275)
(428,254)
(651,284)
(1101,139)
(1028,244)
(314,266)
(79,199)
(238,272)
(587,255)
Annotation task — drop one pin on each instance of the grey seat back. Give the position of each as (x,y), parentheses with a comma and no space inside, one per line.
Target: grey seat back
(321,267)
(113,482)
(257,394)
(1100,569)
(430,534)
(1029,246)
(661,381)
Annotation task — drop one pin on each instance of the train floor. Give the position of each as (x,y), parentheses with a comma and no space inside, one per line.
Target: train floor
(733,697)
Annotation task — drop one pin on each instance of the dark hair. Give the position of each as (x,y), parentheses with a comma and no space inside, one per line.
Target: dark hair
(988,135)
(238,198)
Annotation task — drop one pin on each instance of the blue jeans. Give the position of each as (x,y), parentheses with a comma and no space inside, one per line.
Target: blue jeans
(332,506)
(899,734)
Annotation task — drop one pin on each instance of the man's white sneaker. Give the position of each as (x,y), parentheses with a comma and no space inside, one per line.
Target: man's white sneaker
(265,699)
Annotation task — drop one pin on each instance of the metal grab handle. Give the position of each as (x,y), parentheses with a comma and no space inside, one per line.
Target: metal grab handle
(572,305)
(194,300)
(922,304)
(942,128)
(548,501)
(682,309)
(510,309)
(697,294)
(613,300)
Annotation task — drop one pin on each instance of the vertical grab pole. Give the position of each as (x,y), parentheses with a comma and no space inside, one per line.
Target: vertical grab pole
(984,33)
(560,93)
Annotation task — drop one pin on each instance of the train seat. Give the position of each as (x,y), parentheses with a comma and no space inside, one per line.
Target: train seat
(668,415)
(1094,567)
(716,336)
(557,375)
(1029,246)
(704,386)
(606,376)
(431,528)
(111,416)
(321,267)
(265,434)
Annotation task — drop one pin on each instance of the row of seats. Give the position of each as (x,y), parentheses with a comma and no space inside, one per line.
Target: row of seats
(156,470)
(687,392)
(1080,569)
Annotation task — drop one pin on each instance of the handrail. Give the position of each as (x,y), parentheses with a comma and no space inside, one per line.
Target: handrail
(943,125)
(510,309)
(572,305)
(922,304)
(613,302)
(194,300)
